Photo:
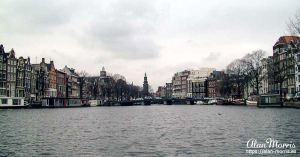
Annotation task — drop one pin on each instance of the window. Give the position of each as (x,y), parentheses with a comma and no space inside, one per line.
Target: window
(298,57)
(16,101)
(3,101)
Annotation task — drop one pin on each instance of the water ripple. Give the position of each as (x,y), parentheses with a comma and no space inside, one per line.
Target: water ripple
(142,130)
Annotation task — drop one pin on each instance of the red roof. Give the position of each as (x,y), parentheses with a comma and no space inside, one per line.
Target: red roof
(287,39)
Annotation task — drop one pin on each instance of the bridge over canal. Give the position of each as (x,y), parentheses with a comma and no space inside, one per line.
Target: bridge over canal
(165,101)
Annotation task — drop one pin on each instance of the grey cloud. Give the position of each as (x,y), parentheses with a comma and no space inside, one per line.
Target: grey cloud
(34,16)
(126,30)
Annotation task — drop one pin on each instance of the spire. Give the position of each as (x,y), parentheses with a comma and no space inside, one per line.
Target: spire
(12,53)
(2,49)
(145,75)
(103,72)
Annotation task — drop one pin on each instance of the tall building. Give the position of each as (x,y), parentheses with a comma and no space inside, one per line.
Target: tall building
(61,86)
(161,91)
(145,86)
(284,65)
(45,80)
(42,79)
(3,72)
(211,84)
(11,73)
(180,84)
(169,90)
(52,88)
(73,88)
(27,79)
(197,82)
(20,91)
(266,76)
(296,46)
(196,87)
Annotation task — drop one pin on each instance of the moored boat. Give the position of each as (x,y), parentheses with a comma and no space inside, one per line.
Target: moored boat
(13,102)
(251,103)
(252,100)
(53,102)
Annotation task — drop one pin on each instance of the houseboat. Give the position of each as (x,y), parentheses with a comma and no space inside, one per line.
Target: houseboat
(270,100)
(13,102)
(53,102)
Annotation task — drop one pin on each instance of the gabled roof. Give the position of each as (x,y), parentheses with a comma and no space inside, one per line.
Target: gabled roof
(287,39)
(11,54)
(69,71)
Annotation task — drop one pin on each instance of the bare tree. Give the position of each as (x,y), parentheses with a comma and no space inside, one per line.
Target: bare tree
(253,68)
(83,73)
(225,86)
(236,72)
(293,24)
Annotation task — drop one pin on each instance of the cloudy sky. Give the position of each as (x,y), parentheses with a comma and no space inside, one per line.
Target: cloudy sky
(131,37)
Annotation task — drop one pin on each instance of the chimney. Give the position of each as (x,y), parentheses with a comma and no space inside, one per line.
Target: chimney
(51,62)
(43,60)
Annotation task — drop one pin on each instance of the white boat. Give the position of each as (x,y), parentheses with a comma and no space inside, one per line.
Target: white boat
(199,102)
(212,102)
(13,102)
(251,103)
(252,100)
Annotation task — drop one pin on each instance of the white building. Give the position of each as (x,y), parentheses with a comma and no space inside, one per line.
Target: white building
(179,82)
(196,82)
(264,87)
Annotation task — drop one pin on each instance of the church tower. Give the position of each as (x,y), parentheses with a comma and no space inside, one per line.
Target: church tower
(145,86)
(103,73)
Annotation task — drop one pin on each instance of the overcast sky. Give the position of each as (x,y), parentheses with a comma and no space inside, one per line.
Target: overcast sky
(131,37)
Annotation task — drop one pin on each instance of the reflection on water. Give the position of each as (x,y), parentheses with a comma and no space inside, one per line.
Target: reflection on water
(176,130)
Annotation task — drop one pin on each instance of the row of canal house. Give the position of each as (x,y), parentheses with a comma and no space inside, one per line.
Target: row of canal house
(52,82)
(20,78)
(15,75)
(281,71)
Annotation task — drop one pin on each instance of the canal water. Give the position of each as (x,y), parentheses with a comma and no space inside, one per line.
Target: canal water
(176,130)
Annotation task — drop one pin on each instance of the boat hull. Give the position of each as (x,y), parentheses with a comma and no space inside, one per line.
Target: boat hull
(251,103)
(13,107)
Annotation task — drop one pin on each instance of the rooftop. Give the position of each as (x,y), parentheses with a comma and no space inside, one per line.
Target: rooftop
(286,39)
